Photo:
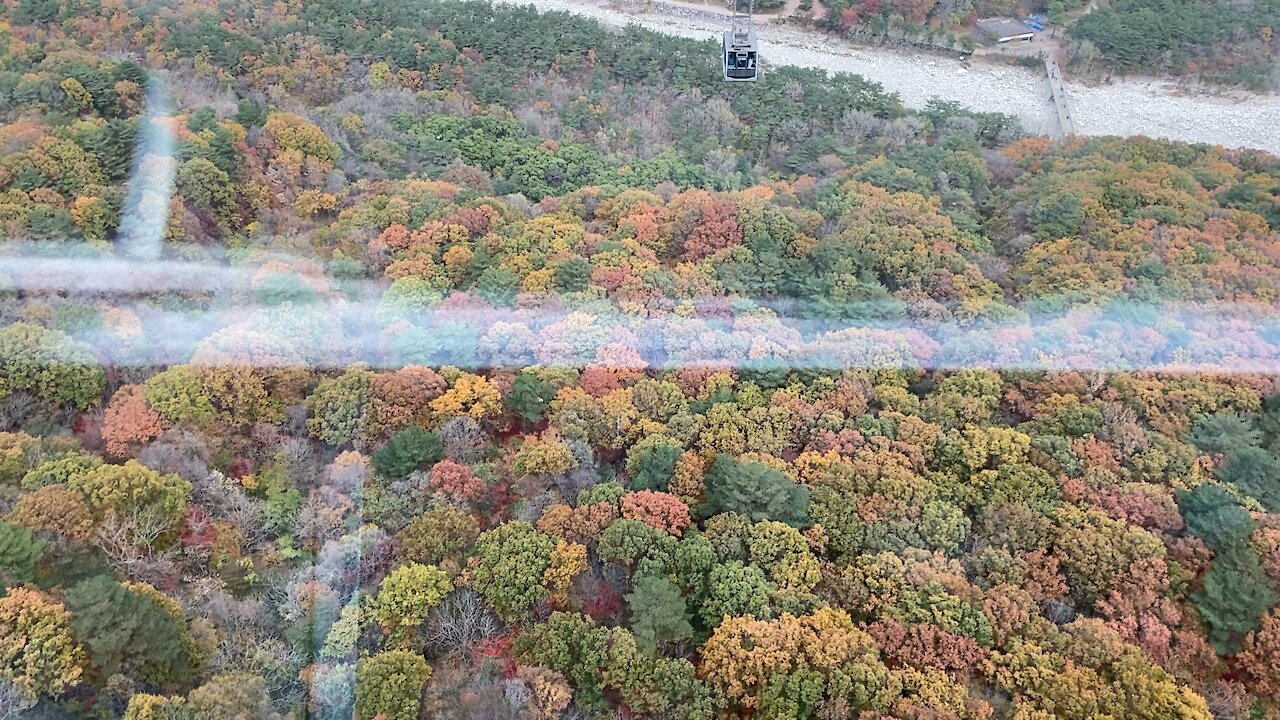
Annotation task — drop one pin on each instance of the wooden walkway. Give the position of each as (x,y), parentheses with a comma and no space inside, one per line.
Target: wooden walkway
(1059,95)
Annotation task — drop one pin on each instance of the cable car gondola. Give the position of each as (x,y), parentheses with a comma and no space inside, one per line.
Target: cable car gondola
(739,51)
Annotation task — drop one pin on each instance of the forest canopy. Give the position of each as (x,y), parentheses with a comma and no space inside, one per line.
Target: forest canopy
(1223,41)
(349,369)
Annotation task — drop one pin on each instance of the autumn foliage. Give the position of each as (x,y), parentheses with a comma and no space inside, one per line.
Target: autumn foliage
(129,420)
(575,385)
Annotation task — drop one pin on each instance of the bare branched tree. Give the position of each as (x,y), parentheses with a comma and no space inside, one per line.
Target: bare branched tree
(902,132)
(14,700)
(1227,700)
(225,499)
(464,439)
(459,622)
(299,454)
(856,126)
(15,408)
(131,543)
(248,640)
(517,692)
(178,451)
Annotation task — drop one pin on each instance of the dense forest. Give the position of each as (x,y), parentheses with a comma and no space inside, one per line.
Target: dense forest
(443,360)
(1215,40)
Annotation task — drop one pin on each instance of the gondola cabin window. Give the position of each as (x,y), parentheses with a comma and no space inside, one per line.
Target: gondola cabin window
(740,56)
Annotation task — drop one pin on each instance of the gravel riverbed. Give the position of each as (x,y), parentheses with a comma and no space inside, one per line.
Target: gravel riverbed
(1131,106)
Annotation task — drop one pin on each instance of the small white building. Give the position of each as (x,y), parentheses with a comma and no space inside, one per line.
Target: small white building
(1003,30)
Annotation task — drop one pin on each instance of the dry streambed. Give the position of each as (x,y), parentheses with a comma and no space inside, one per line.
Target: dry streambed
(1124,107)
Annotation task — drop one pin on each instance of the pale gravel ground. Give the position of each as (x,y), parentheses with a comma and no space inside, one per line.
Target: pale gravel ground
(1124,107)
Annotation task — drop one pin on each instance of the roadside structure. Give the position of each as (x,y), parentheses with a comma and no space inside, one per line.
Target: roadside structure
(1003,29)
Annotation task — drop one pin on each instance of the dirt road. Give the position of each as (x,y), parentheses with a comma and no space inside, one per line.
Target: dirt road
(1126,107)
